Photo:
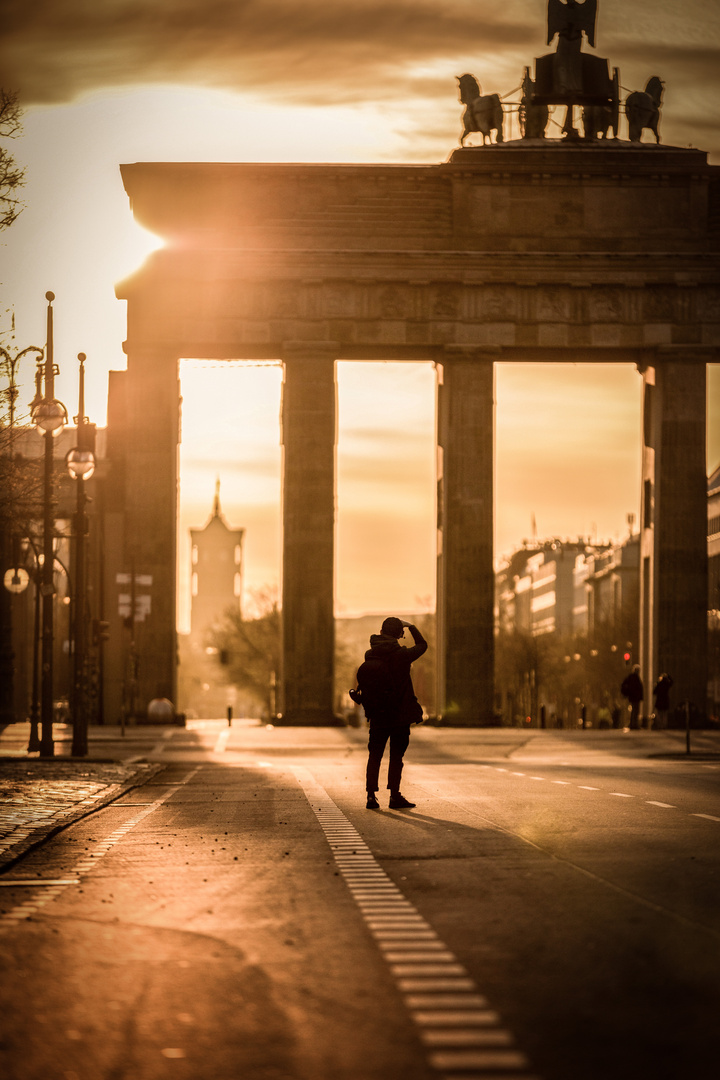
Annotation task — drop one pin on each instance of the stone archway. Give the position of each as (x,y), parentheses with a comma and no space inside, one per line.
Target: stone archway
(604,252)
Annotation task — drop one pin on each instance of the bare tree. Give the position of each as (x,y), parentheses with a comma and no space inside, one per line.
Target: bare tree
(12,177)
(250,648)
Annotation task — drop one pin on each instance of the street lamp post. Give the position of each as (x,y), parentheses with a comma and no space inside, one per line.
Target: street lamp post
(10,517)
(49,416)
(81,465)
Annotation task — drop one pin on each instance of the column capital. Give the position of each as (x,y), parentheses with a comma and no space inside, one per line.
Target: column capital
(687,354)
(309,350)
(490,354)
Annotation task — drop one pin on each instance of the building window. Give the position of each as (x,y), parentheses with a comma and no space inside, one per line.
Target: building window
(647,504)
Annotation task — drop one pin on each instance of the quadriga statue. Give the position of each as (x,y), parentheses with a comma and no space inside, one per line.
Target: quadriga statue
(642,109)
(484,114)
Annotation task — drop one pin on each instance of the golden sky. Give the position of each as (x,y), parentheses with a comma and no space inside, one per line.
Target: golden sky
(309,80)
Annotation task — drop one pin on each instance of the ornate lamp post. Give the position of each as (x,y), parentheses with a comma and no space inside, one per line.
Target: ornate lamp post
(9,529)
(50,417)
(80,463)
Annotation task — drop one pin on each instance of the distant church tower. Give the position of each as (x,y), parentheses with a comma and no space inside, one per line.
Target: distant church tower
(216,570)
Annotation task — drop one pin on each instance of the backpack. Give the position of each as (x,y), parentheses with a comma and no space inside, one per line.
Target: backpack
(377,690)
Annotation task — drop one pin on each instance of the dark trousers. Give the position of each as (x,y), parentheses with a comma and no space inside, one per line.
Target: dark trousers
(399,736)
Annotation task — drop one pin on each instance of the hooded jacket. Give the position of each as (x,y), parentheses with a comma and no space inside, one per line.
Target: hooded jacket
(396,659)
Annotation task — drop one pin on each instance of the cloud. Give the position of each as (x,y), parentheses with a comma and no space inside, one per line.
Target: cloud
(54,50)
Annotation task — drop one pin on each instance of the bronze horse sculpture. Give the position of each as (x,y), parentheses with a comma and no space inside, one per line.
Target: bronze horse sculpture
(642,109)
(484,114)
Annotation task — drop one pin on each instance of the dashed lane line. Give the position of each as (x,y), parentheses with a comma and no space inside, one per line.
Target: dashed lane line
(51,889)
(462,1037)
(615,794)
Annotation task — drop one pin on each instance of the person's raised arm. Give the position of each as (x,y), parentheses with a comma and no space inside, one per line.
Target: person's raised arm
(420,645)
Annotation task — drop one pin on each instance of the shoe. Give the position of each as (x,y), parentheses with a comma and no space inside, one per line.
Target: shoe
(399,802)
(372,803)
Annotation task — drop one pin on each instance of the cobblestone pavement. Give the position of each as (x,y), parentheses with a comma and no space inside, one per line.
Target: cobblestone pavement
(38,796)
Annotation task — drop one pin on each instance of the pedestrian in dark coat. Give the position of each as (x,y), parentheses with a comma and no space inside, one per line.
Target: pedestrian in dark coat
(661,690)
(632,688)
(386,693)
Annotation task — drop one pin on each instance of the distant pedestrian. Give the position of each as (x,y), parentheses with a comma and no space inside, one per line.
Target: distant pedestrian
(385,691)
(632,688)
(661,690)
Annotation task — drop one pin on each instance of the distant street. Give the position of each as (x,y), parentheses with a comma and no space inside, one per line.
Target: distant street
(551,909)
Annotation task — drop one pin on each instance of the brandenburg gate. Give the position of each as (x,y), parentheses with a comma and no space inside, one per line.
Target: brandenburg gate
(525,251)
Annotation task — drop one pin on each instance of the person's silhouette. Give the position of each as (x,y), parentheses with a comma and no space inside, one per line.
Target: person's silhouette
(386,693)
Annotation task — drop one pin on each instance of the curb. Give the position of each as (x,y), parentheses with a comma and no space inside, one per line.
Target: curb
(38,835)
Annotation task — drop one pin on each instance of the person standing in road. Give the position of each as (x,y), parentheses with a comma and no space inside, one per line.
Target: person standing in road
(661,690)
(632,688)
(385,691)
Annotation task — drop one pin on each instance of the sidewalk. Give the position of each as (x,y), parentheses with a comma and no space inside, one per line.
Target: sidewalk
(39,796)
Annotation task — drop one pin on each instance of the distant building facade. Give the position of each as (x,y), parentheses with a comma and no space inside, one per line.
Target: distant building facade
(714,592)
(543,587)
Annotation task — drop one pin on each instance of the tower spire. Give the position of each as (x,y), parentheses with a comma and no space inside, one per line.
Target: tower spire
(216,500)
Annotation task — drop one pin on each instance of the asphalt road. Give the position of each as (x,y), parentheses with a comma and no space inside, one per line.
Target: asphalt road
(550,909)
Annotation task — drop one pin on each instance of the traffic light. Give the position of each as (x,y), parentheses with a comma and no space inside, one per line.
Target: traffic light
(627,655)
(100,631)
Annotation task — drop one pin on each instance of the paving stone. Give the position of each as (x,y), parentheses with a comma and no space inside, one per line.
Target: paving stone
(38,796)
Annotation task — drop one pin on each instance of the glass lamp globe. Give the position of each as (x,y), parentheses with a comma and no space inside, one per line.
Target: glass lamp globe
(50,416)
(80,464)
(16,579)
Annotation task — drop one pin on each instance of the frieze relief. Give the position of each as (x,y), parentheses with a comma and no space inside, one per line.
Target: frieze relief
(606,305)
(446,301)
(392,301)
(708,304)
(552,304)
(659,304)
(475,303)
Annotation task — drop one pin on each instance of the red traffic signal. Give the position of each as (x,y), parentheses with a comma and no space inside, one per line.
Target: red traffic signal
(627,657)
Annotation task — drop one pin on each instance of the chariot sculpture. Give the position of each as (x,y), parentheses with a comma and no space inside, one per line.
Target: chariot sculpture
(567,77)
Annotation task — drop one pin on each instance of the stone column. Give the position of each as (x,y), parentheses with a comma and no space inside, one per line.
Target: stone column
(308,618)
(466,582)
(150,454)
(673,516)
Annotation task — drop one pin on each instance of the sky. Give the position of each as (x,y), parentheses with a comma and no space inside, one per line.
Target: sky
(306,81)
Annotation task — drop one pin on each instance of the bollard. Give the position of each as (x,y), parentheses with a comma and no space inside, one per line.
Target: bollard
(542,716)
(687,727)
(229,715)
(584,717)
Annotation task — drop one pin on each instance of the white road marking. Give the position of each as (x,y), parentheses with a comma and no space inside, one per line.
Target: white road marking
(665,805)
(586,787)
(621,795)
(91,862)
(709,817)
(460,1034)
